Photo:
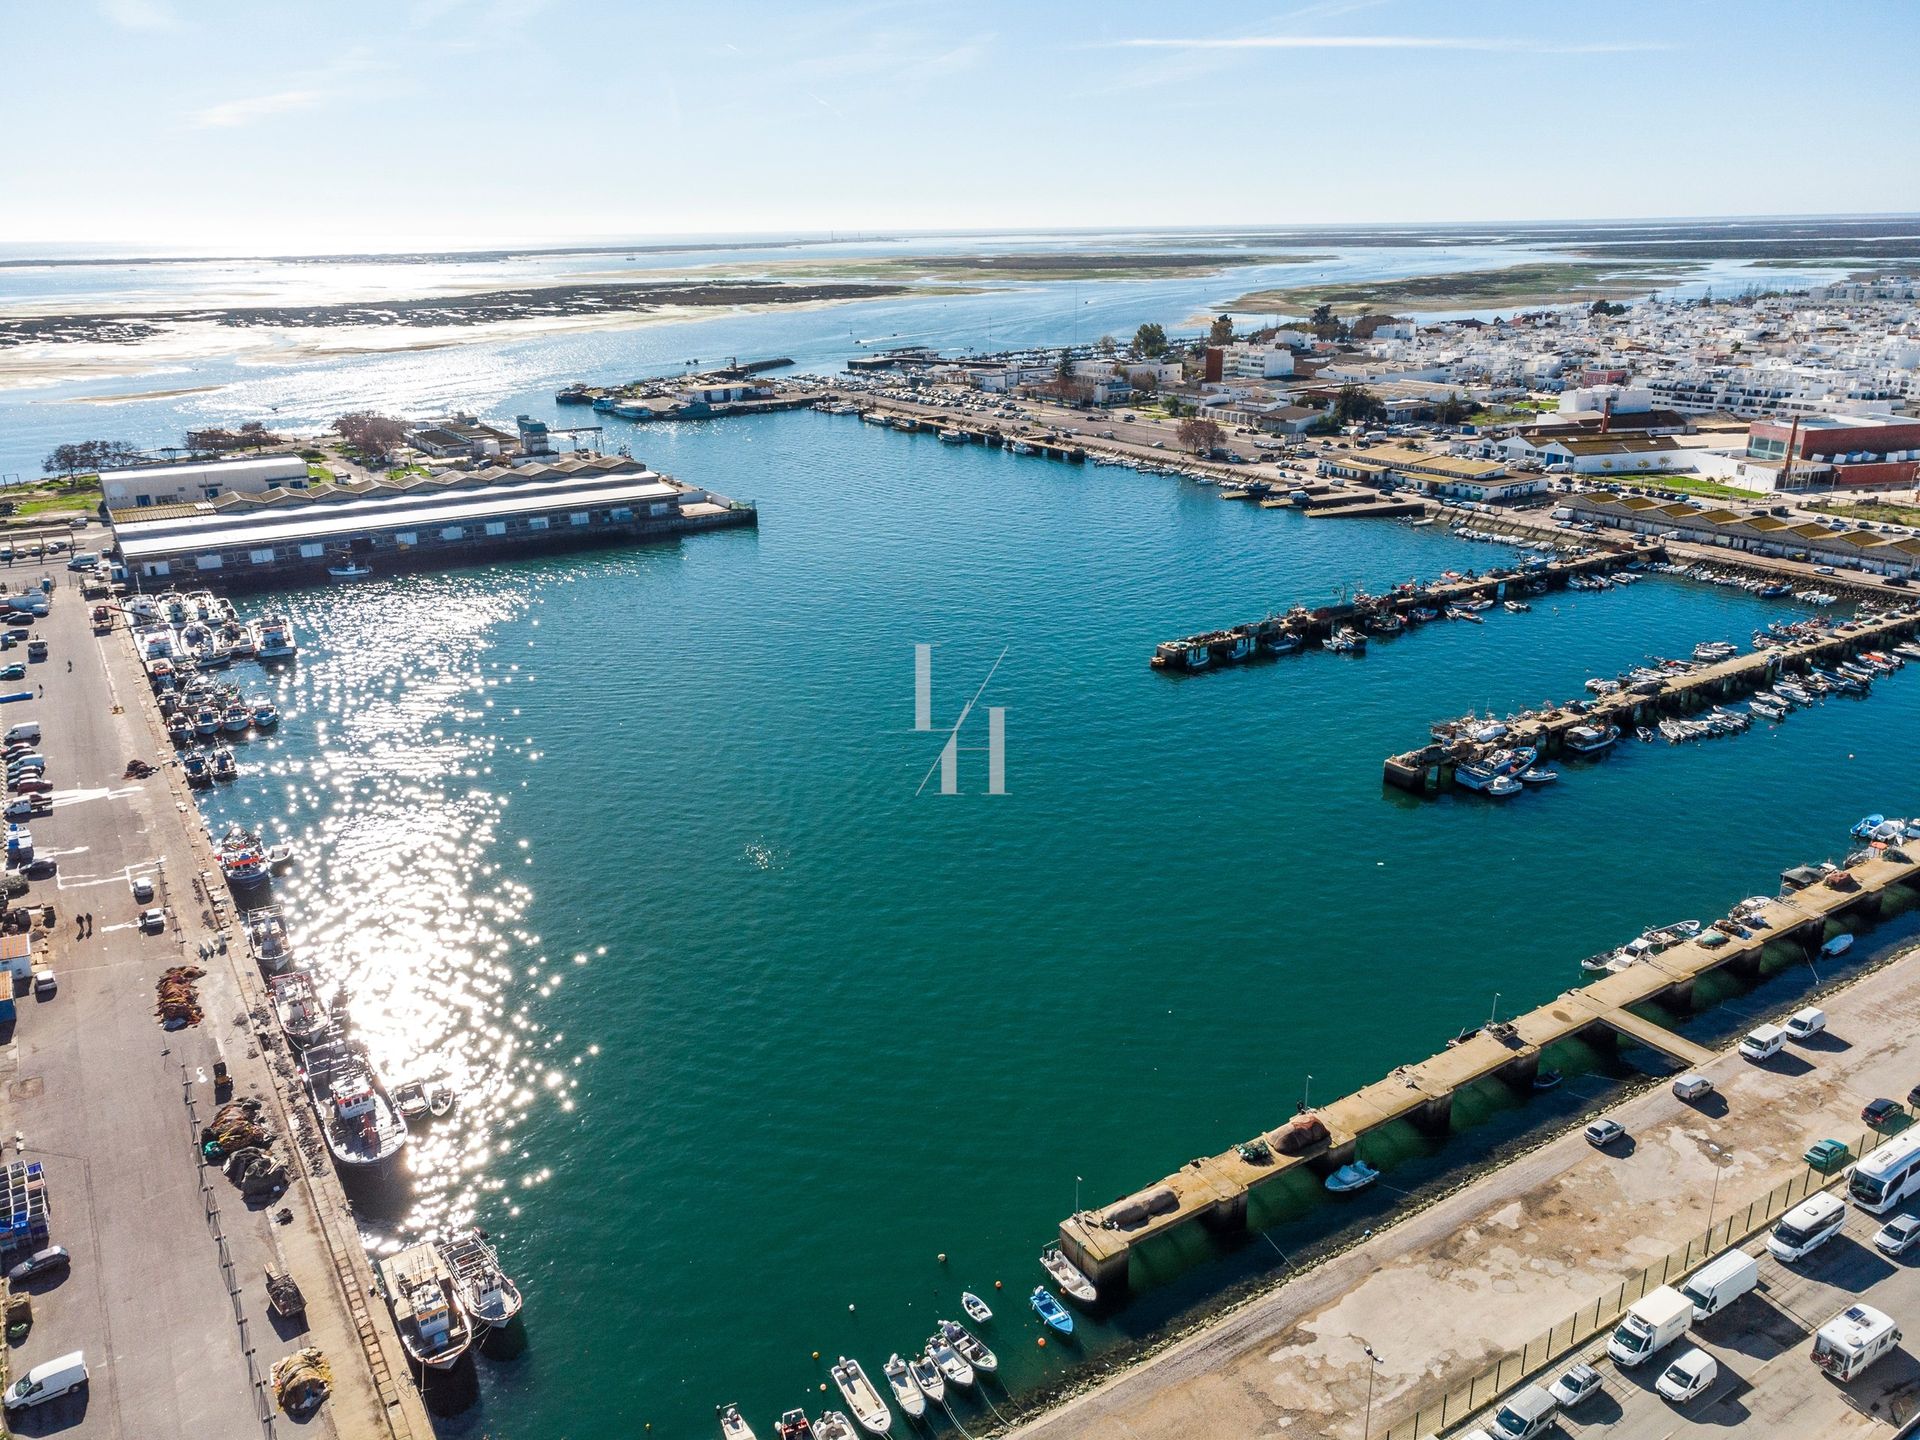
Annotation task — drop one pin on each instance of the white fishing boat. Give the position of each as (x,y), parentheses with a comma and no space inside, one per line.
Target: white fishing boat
(969,1346)
(977,1309)
(953,437)
(297,1005)
(482,1287)
(862,1399)
(273,638)
(927,1376)
(419,1287)
(1356,1175)
(952,1364)
(268,940)
(1068,1276)
(361,1123)
(732,1426)
(348,569)
(906,1390)
(1591,739)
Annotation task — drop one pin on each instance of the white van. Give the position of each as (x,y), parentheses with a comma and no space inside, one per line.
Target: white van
(1804,1023)
(27,730)
(1762,1043)
(48,1382)
(1719,1283)
(1525,1414)
(1692,1086)
(1807,1227)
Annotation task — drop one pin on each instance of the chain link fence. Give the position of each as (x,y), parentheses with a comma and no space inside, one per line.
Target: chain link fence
(1590,1320)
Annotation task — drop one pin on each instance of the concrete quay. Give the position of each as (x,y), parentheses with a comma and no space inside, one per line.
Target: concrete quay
(1215,1190)
(1477,1275)
(166,1292)
(1430,769)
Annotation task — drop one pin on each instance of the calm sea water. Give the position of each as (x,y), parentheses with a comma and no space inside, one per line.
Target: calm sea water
(752,1030)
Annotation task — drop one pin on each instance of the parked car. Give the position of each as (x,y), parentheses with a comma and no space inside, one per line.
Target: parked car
(1826,1156)
(1897,1235)
(41,1262)
(1689,1376)
(142,889)
(1574,1386)
(153,921)
(1878,1112)
(1603,1132)
(45,984)
(42,867)
(1913,1096)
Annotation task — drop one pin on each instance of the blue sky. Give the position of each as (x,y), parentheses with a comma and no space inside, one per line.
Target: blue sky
(240,126)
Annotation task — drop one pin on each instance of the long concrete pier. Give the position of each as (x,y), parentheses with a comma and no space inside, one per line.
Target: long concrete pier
(1215,1190)
(1430,768)
(1277,634)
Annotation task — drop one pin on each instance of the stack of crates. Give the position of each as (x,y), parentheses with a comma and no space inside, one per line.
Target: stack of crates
(23,1208)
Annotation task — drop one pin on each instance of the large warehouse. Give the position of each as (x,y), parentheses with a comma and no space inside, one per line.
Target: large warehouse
(409,523)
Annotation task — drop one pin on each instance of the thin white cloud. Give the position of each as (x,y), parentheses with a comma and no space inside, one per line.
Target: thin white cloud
(231,113)
(1514,45)
(139,14)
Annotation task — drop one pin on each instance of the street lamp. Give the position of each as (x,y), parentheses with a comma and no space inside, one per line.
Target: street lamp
(1373,1362)
(1722,1153)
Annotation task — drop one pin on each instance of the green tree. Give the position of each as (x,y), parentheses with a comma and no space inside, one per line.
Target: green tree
(1107,345)
(1356,405)
(1222,331)
(1150,341)
(1452,411)
(84,456)
(1064,369)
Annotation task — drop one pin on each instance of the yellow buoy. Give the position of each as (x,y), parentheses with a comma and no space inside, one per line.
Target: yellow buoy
(816,1354)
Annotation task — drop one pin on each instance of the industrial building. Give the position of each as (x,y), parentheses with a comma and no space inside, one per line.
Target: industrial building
(1881,552)
(200,480)
(448,519)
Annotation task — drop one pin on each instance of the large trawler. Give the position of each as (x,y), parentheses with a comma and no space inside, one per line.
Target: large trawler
(298,1007)
(362,1126)
(433,1327)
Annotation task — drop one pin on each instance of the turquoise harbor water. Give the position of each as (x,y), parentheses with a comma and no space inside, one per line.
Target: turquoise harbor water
(752,1032)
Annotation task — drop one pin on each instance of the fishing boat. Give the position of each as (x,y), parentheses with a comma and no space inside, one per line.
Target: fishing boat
(361,1124)
(198,772)
(347,568)
(238,719)
(1516,607)
(953,1365)
(410,1099)
(298,1007)
(273,638)
(1477,775)
(180,730)
(1867,826)
(927,1376)
(243,860)
(223,765)
(267,939)
(977,1309)
(1534,775)
(969,1346)
(732,1426)
(265,717)
(1051,1310)
(1547,1079)
(1591,739)
(1356,1175)
(433,1327)
(865,1402)
(1074,1284)
(440,1099)
(1838,945)
(906,1390)
(794,1425)
(950,437)
(482,1287)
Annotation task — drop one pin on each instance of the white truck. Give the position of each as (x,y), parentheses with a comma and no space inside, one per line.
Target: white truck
(1656,1320)
(1719,1283)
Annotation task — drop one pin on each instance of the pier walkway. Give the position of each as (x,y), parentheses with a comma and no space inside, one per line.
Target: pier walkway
(1430,768)
(1215,1190)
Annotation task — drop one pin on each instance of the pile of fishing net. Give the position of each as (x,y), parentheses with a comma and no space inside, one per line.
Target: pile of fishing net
(301,1380)
(178,1003)
(235,1127)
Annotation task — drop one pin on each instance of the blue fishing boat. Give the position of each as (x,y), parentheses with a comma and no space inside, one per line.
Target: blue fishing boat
(1051,1310)
(1867,826)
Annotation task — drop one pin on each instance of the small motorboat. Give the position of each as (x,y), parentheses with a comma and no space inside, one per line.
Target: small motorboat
(861,1397)
(1838,945)
(1867,826)
(1051,1310)
(222,764)
(834,1426)
(440,1099)
(794,1425)
(732,1427)
(265,717)
(348,570)
(976,1308)
(1516,607)
(180,730)
(410,1098)
(906,1390)
(1068,1276)
(952,1364)
(280,858)
(1547,1079)
(969,1346)
(1534,775)
(199,773)
(924,1373)
(1643,735)
(1355,1175)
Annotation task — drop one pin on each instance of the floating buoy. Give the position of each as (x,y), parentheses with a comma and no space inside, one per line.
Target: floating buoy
(943,1254)
(816,1354)
(996,1284)
(1041,1342)
(823,1384)
(849,1307)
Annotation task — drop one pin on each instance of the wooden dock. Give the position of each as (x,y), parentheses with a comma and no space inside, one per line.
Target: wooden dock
(1214,1190)
(1430,768)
